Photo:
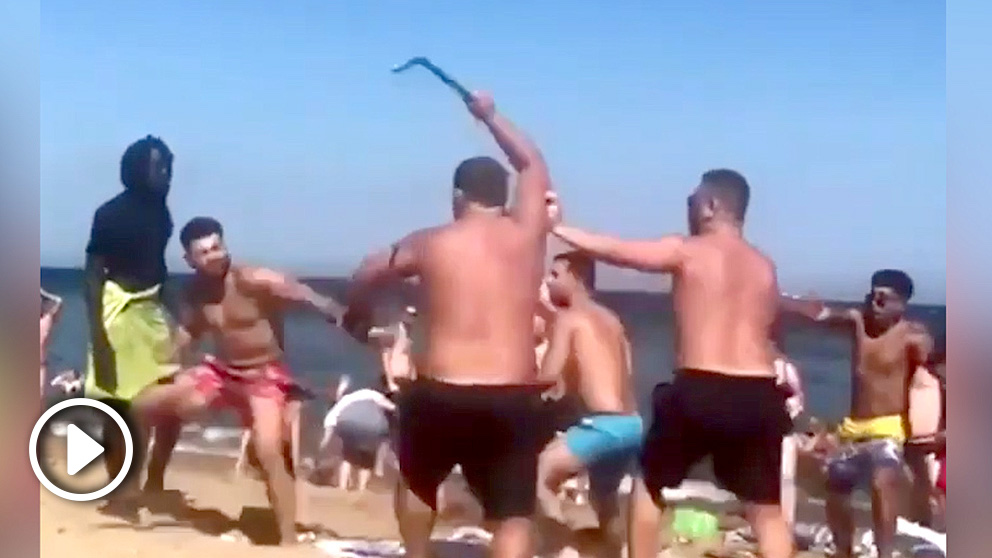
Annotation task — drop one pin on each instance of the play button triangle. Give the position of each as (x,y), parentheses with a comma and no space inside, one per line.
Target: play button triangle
(81,449)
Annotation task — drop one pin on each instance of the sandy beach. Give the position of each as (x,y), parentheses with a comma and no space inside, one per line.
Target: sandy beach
(216,514)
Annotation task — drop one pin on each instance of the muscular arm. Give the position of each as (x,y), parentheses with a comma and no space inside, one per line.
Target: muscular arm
(287,289)
(559,347)
(664,254)
(188,332)
(818,311)
(533,179)
(402,260)
(920,345)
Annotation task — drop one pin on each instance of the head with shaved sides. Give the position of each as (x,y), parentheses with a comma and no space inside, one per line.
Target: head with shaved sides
(721,198)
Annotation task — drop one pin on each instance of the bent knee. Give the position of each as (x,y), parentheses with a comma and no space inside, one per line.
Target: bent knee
(886,479)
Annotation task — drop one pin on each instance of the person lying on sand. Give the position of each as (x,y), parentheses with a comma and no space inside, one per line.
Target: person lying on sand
(888,350)
(589,353)
(242,308)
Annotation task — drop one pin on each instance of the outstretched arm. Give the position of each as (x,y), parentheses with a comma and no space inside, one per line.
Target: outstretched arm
(402,260)
(288,289)
(818,311)
(664,254)
(533,179)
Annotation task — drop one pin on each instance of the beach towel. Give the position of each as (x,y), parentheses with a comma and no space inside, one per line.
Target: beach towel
(465,542)
(141,340)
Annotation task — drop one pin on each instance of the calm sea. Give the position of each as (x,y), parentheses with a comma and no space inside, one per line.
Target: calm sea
(320,354)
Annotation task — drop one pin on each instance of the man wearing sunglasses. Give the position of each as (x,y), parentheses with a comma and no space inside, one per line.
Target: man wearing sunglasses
(888,351)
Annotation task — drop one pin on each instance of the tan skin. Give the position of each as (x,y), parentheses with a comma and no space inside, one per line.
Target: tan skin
(479,276)
(725,296)
(589,352)
(887,351)
(242,309)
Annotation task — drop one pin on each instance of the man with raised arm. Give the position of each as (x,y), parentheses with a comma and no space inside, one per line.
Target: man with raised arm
(889,351)
(475,401)
(723,401)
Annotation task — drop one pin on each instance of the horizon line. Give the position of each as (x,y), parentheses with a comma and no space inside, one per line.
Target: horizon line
(303,277)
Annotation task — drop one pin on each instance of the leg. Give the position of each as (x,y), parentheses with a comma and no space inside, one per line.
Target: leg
(555,464)
(344,475)
(774,534)
(789,458)
(643,521)
(425,451)
(268,437)
(415,516)
(604,483)
(750,465)
(163,408)
(885,485)
(922,486)
(841,523)
(364,476)
(166,435)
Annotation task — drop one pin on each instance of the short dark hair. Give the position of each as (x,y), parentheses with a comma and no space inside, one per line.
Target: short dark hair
(134,162)
(731,188)
(895,279)
(580,265)
(483,180)
(197,228)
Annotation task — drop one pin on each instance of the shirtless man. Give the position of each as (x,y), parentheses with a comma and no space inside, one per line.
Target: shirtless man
(589,352)
(888,350)
(723,401)
(242,309)
(475,401)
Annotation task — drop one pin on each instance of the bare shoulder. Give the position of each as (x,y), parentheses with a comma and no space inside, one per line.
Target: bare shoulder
(917,331)
(254,277)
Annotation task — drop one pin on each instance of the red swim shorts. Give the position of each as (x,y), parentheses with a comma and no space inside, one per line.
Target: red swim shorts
(223,387)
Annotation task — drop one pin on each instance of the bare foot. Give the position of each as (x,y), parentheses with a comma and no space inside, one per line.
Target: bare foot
(122,508)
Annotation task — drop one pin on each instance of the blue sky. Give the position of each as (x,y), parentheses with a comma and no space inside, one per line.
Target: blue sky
(288,126)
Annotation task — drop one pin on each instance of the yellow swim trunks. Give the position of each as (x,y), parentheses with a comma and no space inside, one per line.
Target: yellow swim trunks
(890,427)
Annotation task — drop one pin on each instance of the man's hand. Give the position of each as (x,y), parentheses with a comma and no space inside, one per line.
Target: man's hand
(482,106)
(357,321)
(809,306)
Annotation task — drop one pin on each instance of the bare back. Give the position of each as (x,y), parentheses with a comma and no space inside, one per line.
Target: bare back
(725,295)
(481,277)
(599,370)
(245,323)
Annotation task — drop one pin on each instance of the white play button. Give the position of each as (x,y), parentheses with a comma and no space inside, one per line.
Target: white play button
(80,450)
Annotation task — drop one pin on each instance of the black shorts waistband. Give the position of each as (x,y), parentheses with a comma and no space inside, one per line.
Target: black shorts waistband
(699,375)
(434,384)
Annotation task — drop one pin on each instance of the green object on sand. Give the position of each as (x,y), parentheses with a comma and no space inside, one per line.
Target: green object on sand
(695,524)
(139,335)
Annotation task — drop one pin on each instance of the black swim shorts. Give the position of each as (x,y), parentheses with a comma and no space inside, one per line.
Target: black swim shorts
(494,432)
(738,421)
